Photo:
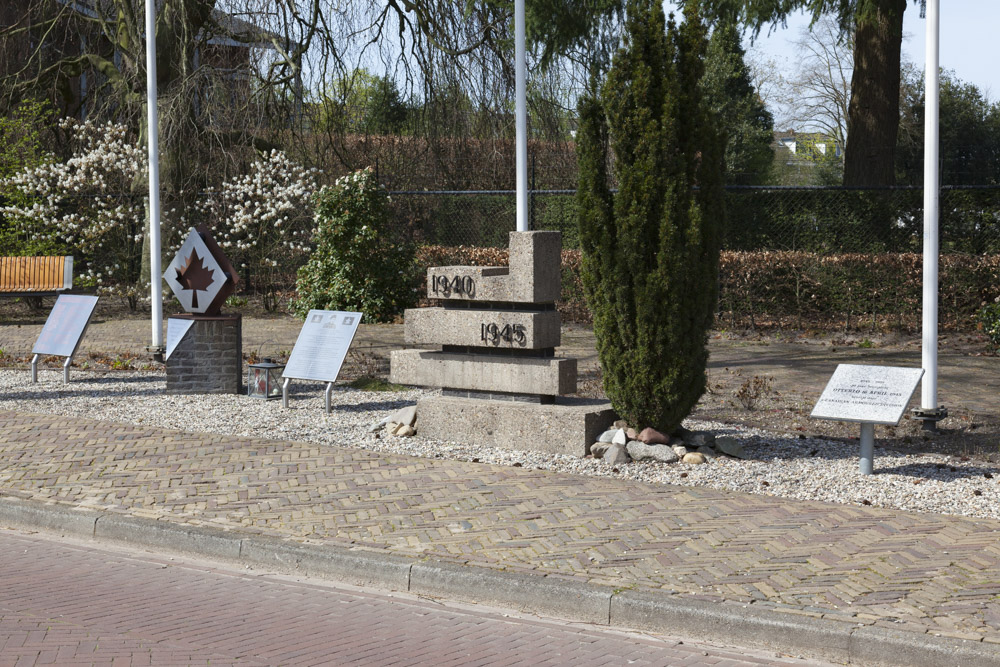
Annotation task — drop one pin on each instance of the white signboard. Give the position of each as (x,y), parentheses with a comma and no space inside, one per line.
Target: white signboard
(176,329)
(65,325)
(322,345)
(867,394)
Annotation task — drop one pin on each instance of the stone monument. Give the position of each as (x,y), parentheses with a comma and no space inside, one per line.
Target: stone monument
(498,329)
(208,357)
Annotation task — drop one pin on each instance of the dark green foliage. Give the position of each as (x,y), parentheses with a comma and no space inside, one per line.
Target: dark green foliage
(357,264)
(969,134)
(748,125)
(651,251)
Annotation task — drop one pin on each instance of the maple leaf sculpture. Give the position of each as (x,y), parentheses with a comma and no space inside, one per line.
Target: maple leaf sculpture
(194,276)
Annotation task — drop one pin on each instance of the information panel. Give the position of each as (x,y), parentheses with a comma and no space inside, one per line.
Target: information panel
(176,328)
(322,345)
(867,394)
(65,325)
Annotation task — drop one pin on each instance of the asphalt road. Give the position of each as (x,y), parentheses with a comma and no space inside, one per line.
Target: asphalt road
(67,602)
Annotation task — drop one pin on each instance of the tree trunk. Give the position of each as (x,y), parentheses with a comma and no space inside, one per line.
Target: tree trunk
(873,115)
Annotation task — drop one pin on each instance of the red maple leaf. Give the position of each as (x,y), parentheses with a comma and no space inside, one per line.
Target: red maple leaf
(194,276)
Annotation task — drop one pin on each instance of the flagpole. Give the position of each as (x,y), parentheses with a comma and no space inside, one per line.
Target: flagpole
(152,134)
(520,93)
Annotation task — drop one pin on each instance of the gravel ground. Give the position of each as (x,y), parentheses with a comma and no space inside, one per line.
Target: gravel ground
(789,466)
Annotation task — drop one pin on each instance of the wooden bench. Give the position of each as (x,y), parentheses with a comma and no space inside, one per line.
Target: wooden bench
(35,277)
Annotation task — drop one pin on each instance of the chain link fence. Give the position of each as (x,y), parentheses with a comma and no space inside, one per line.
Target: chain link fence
(822,220)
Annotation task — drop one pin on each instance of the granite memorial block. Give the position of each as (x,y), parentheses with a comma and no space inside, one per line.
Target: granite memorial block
(497,330)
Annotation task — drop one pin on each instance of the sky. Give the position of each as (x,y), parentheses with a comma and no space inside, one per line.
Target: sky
(969,43)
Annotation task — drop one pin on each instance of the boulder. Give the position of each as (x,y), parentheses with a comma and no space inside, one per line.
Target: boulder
(598,448)
(694,457)
(619,437)
(616,455)
(699,439)
(607,436)
(405,415)
(730,447)
(640,451)
(651,436)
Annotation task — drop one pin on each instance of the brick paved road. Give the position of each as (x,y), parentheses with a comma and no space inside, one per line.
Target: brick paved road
(69,603)
(902,570)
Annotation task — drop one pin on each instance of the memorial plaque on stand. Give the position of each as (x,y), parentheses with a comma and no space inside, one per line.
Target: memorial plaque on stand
(63,330)
(868,395)
(320,349)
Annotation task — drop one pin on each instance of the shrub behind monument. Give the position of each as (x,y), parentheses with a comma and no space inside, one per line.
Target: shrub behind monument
(651,251)
(357,263)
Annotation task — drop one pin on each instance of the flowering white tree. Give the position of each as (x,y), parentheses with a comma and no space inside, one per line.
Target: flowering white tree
(263,220)
(89,205)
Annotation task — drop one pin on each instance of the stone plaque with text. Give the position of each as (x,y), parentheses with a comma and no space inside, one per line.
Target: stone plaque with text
(867,394)
(322,345)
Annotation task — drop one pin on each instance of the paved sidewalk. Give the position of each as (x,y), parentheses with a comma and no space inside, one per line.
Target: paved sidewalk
(904,578)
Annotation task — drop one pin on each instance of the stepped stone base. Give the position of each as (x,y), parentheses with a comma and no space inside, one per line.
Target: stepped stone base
(569,426)
(484,372)
(209,359)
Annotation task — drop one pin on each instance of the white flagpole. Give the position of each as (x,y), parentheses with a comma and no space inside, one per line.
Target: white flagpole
(152,134)
(928,390)
(520,86)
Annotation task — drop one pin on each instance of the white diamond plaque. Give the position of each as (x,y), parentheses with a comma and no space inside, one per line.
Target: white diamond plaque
(867,394)
(194,275)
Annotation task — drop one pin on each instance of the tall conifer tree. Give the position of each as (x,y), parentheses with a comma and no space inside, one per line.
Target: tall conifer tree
(651,250)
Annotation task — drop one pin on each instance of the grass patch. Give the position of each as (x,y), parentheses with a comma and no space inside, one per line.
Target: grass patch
(368,383)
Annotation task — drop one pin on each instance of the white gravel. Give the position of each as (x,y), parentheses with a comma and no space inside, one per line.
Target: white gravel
(786,466)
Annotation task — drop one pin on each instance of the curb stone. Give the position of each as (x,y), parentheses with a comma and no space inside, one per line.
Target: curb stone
(734,624)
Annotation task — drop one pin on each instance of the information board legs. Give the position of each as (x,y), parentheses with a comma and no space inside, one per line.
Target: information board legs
(66,365)
(34,368)
(867,449)
(327,395)
(284,392)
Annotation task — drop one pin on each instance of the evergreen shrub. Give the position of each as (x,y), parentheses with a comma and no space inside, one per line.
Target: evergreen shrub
(357,263)
(651,250)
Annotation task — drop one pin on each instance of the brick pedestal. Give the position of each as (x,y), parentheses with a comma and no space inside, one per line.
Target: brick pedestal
(209,359)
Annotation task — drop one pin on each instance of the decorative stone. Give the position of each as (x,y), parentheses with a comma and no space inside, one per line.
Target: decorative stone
(651,436)
(616,455)
(694,457)
(707,452)
(640,451)
(405,415)
(679,450)
(619,437)
(598,448)
(630,433)
(730,447)
(607,436)
(391,427)
(699,439)
(405,430)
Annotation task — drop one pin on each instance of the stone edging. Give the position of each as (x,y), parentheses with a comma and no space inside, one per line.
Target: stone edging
(734,624)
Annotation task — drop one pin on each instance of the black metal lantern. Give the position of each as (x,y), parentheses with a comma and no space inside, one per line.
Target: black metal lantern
(264,379)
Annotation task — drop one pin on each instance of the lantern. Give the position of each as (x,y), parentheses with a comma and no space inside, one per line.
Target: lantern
(264,379)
